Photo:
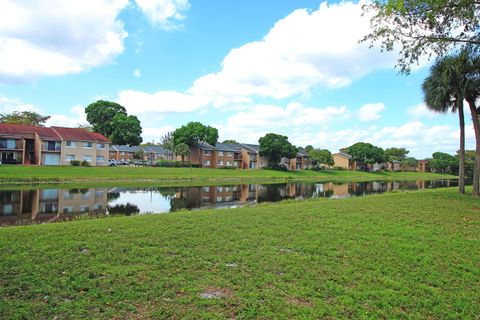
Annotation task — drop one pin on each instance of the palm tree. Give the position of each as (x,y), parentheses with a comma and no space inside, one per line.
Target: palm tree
(443,91)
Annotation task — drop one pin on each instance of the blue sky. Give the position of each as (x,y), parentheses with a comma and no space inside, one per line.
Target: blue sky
(246,67)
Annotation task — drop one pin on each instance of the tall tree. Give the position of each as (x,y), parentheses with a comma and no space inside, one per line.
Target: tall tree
(274,147)
(182,149)
(24,117)
(444,90)
(320,156)
(366,153)
(193,133)
(111,120)
(423,27)
(167,143)
(410,163)
(396,154)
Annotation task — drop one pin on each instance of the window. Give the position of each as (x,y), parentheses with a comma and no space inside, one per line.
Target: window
(84,208)
(7,144)
(68,209)
(100,145)
(87,158)
(70,144)
(229,163)
(69,157)
(207,162)
(97,206)
(100,159)
(51,145)
(67,195)
(220,162)
(219,189)
(87,144)
(122,153)
(206,189)
(220,153)
(208,152)
(219,199)
(98,194)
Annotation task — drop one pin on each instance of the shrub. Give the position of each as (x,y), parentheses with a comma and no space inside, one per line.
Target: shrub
(339,168)
(75,163)
(85,163)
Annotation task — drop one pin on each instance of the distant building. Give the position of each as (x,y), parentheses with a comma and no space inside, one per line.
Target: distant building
(344,160)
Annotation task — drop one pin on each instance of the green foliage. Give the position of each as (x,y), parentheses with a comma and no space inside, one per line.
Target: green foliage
(24,117)
(398,154)
(410,163)
(85,163)
(308,148)
(193,133)
(127,130)
(75,163)
(443,162)
(182,149)
(366,153)
(274,147)
(423,27)
(231,141)
(321,157)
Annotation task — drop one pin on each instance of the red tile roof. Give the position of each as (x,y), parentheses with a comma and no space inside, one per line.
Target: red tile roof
(18,129)
(80,134)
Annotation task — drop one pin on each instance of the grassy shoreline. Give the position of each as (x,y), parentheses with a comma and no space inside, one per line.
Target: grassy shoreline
(396,255)
(11,175)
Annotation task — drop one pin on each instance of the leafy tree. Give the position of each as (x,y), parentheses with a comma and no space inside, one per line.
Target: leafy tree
(127,130)
(443,162)
(398,154)
(309,148)
(366,153)
(423,27)
(274,147)
(410,163)
(182,149)
(24,117)
(444,90)
(230,141)
(111,120)
(167,143)
(321,156)
(195,132)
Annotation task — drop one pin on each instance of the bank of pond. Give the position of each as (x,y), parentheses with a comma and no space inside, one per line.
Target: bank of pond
(49,204)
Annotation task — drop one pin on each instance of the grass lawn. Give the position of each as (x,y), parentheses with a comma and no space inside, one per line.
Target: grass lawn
(64,174)
(397,255)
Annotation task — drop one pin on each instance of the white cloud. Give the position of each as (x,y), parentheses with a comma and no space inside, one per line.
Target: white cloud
(370,111)
(421,111)
(137,73)
(155,134)
(303,50)
(74,119)
(165,13)
(9,105)
(59,37)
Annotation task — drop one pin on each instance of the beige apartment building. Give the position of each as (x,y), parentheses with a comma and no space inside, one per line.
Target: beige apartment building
(34,145)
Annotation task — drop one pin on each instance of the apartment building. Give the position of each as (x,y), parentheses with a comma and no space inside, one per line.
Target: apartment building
(344,160)
(34,145)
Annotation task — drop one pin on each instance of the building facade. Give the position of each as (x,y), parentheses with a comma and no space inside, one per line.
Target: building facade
(34,145)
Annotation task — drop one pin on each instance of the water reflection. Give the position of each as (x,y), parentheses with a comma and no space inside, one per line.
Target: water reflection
(46,205)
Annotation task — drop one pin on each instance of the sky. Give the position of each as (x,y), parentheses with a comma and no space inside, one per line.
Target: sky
(292,67)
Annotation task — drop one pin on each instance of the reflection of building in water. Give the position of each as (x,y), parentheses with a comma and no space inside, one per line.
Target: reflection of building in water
(22,206)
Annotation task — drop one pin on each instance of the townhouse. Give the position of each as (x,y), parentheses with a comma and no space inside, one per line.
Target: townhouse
(35,145)
(146,153)
(344,160)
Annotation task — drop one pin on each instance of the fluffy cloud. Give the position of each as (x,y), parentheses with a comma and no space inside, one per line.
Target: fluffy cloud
(74,119)
(303,50)
(370,111)
(137,73)
(421,111)
(164,13)
(9,105)
(58,37)
(155,134)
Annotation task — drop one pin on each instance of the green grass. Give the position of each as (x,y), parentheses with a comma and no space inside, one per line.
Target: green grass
(411,255)
(169,176)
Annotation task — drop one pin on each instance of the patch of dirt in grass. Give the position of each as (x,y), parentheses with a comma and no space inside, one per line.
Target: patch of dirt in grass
(216,293)
(300,302)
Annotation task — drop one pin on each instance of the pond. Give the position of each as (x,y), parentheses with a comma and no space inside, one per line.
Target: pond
(26,206)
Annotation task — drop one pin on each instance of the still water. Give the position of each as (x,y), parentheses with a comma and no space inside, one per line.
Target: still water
(18,207)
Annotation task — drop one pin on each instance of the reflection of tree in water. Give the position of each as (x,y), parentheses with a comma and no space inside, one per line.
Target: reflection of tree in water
(113,196)
(273,192)
(186,198)
(76,191)
(124,209)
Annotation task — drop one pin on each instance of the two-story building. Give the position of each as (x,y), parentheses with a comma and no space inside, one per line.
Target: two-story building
(35,145)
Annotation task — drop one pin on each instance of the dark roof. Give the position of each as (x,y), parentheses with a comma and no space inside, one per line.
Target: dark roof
(302,152)
(156,149)
(205,146)
(18,129)
(254,147)
(80,134)
(346,155)
(127,148)
(225,147)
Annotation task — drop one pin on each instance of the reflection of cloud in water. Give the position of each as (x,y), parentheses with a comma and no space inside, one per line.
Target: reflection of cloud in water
(146,201)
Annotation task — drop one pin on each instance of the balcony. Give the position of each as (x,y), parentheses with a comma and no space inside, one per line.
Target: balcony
(51,146)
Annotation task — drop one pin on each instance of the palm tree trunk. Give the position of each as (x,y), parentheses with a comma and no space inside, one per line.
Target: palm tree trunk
(476,169)
(461,166)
